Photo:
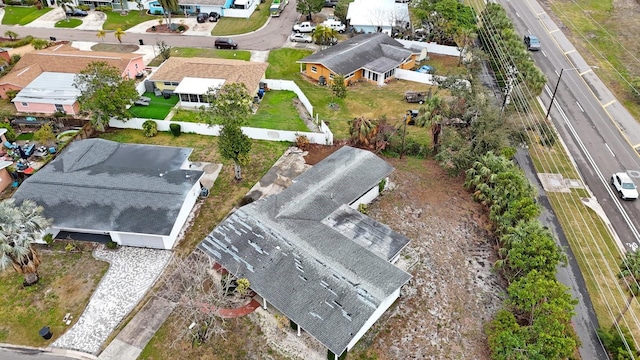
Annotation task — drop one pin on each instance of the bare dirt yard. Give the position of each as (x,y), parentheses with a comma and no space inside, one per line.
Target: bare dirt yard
(454,292)
(441,312)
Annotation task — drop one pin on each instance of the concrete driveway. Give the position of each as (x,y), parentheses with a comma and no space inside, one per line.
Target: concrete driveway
(93,21)
(48,20)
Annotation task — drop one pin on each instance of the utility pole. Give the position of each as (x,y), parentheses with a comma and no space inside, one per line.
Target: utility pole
(404,133)
(553,95)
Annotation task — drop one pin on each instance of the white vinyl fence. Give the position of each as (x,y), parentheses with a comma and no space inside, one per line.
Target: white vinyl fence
(425,78)
(431,47)
(325,137)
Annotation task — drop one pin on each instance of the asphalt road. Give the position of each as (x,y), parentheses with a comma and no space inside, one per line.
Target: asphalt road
(272,36)
(599,135)
(29,354)
(598,139)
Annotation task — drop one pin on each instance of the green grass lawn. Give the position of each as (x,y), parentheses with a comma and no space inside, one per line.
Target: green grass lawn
(282,63)
(277,112)
(68,23)
(205,53)
(67,281)
(235,26)
(158,108)
(186,116)
(133,17)
(21,15)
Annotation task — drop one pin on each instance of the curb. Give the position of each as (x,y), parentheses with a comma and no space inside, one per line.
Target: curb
(51,350)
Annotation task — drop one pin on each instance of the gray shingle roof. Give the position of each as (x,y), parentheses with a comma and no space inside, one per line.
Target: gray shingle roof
(355,53)
(304,251)
(102,185)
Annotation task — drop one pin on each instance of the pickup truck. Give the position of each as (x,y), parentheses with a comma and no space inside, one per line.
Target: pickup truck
(304,27)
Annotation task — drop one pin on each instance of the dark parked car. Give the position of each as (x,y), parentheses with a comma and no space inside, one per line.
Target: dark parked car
(214,16)
(330,3)
(202,17)
(77,12)
(225,43)
(531,42)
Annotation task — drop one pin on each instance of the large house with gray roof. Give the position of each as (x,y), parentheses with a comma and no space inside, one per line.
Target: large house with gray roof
(370,57)
(310,254)
(132,194)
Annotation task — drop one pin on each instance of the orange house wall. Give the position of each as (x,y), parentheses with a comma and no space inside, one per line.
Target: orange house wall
(322,71)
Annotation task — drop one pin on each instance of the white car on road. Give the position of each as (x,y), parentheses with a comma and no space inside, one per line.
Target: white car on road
(298,37)
(624,186)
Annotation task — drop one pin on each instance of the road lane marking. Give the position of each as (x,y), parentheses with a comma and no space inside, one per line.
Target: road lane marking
(570,51)
(552,31)
(543,53)
(609,103)
(518,15)
(581,109)
(636,146)
(611,151)
(585,72)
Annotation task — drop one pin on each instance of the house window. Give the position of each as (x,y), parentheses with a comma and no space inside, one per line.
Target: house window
(136,65)
(184,97)
(193,98)
(350,75)
(59,108)
(331,76)
(171,83)
(314,69)
(25,104)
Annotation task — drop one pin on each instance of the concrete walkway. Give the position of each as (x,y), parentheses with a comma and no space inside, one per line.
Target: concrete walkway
(131,274)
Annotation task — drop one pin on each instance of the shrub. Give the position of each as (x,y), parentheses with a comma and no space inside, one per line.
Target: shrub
(39,44)
(182,28)
(17,43)
(157,12)
(363,208)
(48,238)
(11,94)
(10,134)
(149,128)
(175,129)
(104,8)
(15,58)
(302,142)
(84,7)
(111,244)
(45,135)
(381,185)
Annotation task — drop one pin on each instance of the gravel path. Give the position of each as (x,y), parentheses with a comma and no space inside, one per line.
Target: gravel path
(132,272)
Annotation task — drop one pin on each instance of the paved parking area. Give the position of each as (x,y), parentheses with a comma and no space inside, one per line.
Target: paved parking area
(93,21)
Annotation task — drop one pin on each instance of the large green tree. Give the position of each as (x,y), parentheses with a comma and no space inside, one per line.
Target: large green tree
(20,227)
(230,106)
(104,93)
(445,18)
(538,327)
(309,7)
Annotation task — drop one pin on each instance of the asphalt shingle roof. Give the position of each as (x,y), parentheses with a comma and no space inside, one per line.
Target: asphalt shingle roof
(61,59)
(307,253)
(359,51)
(102,185)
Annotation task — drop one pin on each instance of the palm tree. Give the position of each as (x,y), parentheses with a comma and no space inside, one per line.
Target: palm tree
(324,35)
(119,33)
(168,6)
(101,34)
(20,227)
(11,35)
(67,6)
(630,276)
(464,37)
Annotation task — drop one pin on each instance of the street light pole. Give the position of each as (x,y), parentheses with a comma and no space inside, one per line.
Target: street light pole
(553,96)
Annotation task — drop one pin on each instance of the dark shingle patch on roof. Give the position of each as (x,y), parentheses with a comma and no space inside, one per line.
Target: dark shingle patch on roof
(326,282)
(102,185)
(353,54)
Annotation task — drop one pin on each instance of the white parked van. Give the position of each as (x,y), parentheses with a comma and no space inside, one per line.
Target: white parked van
(335,25)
